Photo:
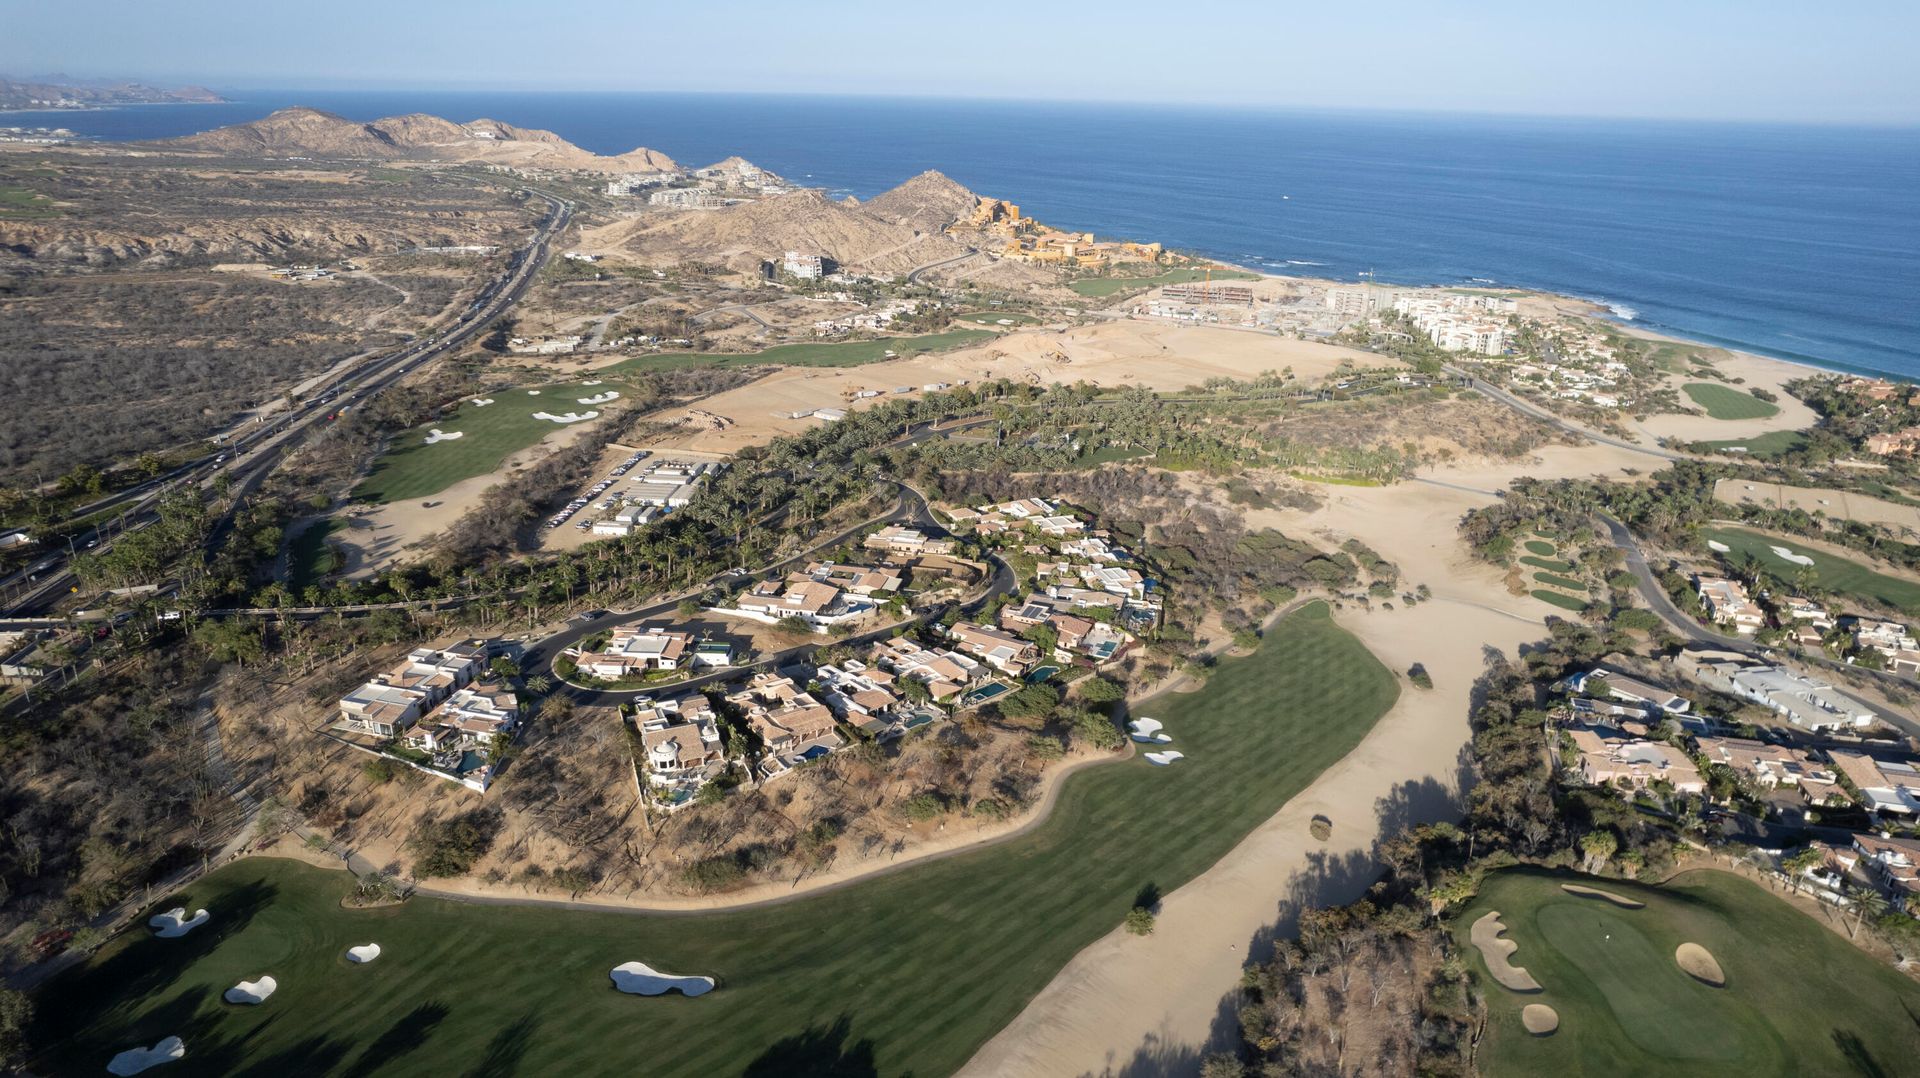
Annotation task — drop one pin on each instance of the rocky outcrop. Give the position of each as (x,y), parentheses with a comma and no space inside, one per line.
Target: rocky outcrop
(307,132)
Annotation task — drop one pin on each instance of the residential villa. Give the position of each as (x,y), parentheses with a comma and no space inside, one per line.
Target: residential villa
(1612,758)
(1892,863)
(632,652)
(792,725)
(816,602)
(946,674)
(907,541)
(471,718)
(1806,702)
(680,746)
(1891,639)
(393,701)
(1631,690)
(1769,766)
(1727,604)
(862,580)
(1003,651)
(863,697)
(1885,787)
(1806,621)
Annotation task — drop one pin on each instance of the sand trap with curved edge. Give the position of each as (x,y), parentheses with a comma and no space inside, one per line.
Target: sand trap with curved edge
(569,417)
(1539,1019)
(1718,547)
(533,392)
(601,398)
(436,436)
(135,1060)
(592,382)
(1162,759)
(1621,901)
(1148,730)
(174,923)
(364,953)
(640,979)
(253,991)
(482,402)
(1700,964)
(1485,935)
(1787,555)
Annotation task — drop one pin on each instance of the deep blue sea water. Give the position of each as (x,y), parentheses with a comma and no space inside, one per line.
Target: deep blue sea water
(1798,242)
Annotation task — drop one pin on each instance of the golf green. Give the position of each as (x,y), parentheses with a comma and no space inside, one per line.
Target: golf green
(1726,402)
(485,435)
(908,972)
(1829,573)
(1799,999)
(810,354)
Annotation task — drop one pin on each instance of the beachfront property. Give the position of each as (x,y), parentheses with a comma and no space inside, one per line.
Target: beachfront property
(634,652)
(1631,690)
(392,701)
(1001,650)
(1883,785)
(911,542)
(1769,766)
(946,674)
(793,725)
(1622,760)
(1804,701)
(1460,323)
(680,747)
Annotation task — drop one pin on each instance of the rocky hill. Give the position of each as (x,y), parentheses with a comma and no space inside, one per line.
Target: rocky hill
(92,93)
(743,234)
(305,132)
(929,202)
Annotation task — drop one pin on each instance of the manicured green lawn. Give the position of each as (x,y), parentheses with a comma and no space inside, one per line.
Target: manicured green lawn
(904,973)
(310,560)
(489,434)
(994,318)
(1552,565)
(1560,582)
(1798,999)
(1765,446)
(1560,599)
(1102,287)
(821,354)
(1833,574)
(1727,402)
(1540,547)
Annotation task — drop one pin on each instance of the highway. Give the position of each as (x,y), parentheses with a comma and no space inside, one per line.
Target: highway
(248,460)
(1501,396)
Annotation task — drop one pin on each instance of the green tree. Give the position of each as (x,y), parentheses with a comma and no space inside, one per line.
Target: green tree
(1140,921)
(16,1014)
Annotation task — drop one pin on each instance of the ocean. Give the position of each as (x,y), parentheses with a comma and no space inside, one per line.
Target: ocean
(1790,241)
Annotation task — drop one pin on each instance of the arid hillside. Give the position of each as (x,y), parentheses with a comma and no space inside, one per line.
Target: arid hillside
(305,132)
(893,233)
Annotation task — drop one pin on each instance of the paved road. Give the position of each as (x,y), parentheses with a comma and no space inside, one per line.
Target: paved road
(1684,624)
(1501,396)
(913,275)
(248,460)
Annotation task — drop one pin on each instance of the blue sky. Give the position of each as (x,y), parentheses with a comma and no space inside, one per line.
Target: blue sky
(1755,60)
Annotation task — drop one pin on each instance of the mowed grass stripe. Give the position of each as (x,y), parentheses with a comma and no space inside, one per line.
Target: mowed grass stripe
(922,965)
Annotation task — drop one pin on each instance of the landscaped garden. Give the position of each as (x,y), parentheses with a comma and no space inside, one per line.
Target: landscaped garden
(1825,571)
(1726,402)
(1796,999)
(907,972)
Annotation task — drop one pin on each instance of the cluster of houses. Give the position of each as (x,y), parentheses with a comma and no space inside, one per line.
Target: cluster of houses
(1080,574)
(1461,322)
(822,595)
(439,702)
(1611,739)
(1806,623)
(635,651)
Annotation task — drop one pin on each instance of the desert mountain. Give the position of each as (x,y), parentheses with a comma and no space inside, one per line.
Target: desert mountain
(305,132)
(743,234)
(24,93)
(929,202)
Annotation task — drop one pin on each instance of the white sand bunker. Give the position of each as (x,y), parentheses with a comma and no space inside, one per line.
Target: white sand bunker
(1789,556)
(1148,730)
(1700,964)
(1162,759)
(595,382)
(366,952)
(1621,901)
(135,1060)
(253,991)
(601,398)
(175,923)
(436,436)
(640,979)
(482,402)
(1718,547)
(1485,935)
(1539,1019)
(569,417)
(533,392)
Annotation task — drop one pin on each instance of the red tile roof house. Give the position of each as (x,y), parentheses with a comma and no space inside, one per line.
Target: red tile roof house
(1892,863)
(791,724)
(680,747)
(1001,650)
(946,674)
(635,651)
